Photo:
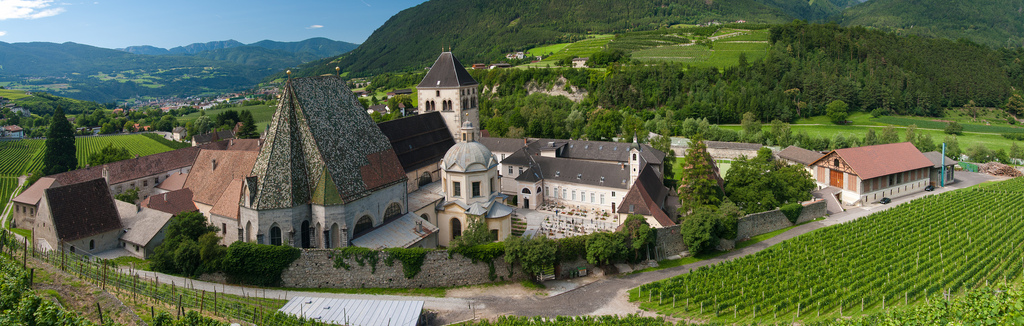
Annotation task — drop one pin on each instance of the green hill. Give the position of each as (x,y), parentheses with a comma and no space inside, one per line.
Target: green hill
(484,30)
(991,22)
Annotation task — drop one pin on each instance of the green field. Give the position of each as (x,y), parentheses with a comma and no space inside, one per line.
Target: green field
(136,144)
(951,242)
(583,48)
(547,49)
(262,114)
(13,94)
(722,53)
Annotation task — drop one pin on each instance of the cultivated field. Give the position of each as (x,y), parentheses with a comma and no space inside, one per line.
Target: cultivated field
(947,243)
(13,94)
(262,114)
(136,144)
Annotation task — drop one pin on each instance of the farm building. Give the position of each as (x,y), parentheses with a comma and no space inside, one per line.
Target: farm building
(862,175)
(80,216)
(797,155)
(938,160)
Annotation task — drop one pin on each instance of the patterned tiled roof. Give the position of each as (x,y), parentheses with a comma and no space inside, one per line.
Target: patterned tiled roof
(82,210)
(321,147)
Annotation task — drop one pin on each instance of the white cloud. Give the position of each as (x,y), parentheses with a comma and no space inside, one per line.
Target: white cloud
(2,33)
(27,9)
(315,26)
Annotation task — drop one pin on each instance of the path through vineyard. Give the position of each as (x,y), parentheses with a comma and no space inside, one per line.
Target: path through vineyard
(604,297)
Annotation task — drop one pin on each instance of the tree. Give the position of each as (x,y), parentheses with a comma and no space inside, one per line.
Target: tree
(952,147)
(1016,151)
(761,183)
(248,129)
(603,248)
(1015,105)
(532,253)
(697,229)
(476,233)
(181,252)
(60,145)
(202,125)
(751,126)
(837,111)
(638,235)
(954,128)
(109,154)
(698,183)
(889,135)
(911,133)
(870,138)
(728,216)
(129,196)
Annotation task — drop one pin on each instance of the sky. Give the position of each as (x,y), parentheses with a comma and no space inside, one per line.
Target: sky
(167,24)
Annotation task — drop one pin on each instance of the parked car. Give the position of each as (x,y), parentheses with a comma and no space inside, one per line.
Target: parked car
(929,188)
(885,200)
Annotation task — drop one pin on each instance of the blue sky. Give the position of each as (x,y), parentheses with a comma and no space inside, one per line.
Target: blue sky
(166,24)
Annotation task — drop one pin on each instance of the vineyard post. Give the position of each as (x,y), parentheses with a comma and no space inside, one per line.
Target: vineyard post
(24,255)
(660,297)
(861,304)
(100,312)
(673,301)
(202,302)
(797,310)
(734,309)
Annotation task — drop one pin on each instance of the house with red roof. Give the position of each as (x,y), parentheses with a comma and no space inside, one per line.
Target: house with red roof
(862,175)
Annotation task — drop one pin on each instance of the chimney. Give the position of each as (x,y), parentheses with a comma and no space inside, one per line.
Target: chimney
(138,207)
(214,163)
(231,142)
(623,166)
(165,197)
(106,174)
(419,226)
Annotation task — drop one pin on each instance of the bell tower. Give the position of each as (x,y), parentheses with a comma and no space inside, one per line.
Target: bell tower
(448,88)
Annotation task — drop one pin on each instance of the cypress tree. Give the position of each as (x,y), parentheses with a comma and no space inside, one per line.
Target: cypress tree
(60,145)
(248,129)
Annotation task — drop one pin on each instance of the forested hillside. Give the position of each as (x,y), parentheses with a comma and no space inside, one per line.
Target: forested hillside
(807,67)
(992,22)
(483,30)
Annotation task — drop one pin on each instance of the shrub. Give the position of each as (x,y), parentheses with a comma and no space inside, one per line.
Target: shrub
(605,247)
(258,264)
(954,128)
(572,248)
(697,230)
(792,211)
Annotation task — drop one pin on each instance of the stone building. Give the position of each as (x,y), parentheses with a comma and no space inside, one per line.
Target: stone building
(797,155)
(325,175)
(420,141)
(469,182)
(144,228)
(862,175)
(591,175)
(81,217)
(27,203)
(216,184)
(649,197)
(450,89)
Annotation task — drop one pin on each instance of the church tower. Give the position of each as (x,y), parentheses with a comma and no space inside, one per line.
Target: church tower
(635,163)
(450,89)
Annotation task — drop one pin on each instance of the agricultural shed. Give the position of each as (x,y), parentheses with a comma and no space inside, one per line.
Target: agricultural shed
(355,312)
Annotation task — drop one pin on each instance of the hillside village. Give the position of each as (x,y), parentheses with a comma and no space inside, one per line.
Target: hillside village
(324,176)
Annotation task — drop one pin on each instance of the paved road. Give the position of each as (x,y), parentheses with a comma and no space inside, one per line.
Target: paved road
(606,296)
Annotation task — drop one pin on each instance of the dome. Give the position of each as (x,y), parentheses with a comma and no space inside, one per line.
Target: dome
(469,157)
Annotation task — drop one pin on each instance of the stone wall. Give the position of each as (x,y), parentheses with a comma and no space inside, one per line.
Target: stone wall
(668,242)
(315,269)
(773,220)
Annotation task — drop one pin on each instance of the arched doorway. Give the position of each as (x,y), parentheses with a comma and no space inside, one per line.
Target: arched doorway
(425,179)
(248,231)
(364,224)
(456,228)
(275,235)
(304,234)
(335,238)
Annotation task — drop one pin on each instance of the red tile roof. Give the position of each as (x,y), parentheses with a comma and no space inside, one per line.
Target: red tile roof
(32,195)
(646,196)
(879,160)
(227,204)
(174,182)
(173,202)
(209,181)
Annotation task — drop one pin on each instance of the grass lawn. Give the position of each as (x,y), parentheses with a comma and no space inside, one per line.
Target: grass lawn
(139,263)
(723,53)
(992,141)
(22,232)
(677,167)
(13,94)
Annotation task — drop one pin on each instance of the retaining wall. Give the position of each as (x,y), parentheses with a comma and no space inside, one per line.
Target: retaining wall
(315,269)
(774,220)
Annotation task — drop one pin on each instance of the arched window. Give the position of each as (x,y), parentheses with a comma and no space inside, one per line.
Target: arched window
(634,156)
(425,217)
(364,224)
(425,179)
(394,211)
(92,244)
(304,234)
(526,190)
(335,236)
(456,228)
(248,231)
(275,235)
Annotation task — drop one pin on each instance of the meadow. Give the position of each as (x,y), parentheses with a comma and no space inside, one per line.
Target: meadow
(912,253)
(13,94)
(262,114)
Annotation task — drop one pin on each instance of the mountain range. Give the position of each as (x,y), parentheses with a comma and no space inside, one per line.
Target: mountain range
(484,30)
(91,73)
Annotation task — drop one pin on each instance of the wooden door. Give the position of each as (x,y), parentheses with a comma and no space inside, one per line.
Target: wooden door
(836,179)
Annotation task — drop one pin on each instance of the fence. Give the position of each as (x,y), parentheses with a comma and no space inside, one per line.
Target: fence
(248,309)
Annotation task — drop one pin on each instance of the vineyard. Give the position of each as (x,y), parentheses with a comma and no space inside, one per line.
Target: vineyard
(943,244)
(136,144)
